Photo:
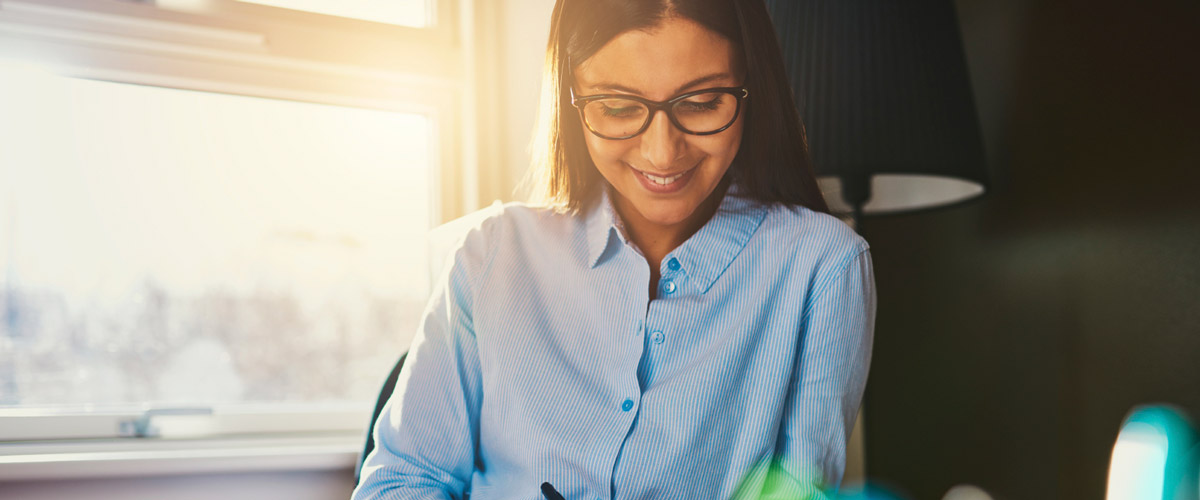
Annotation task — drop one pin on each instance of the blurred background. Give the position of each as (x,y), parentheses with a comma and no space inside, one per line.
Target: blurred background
(1016,333)
(218,210)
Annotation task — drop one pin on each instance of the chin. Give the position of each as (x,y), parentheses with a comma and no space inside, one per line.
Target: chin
(666,216)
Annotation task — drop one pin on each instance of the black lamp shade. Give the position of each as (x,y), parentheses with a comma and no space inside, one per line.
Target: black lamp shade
(886,99)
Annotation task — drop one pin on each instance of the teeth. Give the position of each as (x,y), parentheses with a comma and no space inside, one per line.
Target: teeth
(662,181)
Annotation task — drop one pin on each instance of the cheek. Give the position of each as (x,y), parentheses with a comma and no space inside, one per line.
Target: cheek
(735,135)
(605,152)
(725,145)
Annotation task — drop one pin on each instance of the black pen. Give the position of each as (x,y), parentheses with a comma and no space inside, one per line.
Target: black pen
(550,493)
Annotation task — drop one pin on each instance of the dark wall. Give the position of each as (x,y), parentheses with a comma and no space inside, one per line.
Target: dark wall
(1015,333)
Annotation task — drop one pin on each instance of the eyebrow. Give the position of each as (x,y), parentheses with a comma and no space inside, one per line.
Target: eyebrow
(693,83)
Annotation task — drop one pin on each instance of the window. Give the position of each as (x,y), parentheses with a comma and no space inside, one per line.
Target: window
(219,206)
(156,238)
(413,13)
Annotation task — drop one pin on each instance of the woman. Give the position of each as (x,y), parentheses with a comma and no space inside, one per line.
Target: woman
(681,319)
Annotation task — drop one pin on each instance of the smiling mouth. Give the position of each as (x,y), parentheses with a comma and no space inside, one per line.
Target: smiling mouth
(661,180)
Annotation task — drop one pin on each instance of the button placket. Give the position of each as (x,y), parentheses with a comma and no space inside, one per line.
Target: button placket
(673,277)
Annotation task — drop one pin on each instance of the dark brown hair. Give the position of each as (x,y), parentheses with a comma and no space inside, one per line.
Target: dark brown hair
(772,164)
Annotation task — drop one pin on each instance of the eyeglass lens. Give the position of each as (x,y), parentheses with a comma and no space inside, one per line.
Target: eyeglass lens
(698,114)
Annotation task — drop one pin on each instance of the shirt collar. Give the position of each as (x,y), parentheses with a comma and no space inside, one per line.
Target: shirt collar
(602,225)
(708,253)
(704,256)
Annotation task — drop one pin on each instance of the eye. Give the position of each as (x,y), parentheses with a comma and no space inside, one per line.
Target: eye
(700,104)
(622,110)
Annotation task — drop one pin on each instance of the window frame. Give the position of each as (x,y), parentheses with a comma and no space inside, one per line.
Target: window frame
(256,50)
(223,48)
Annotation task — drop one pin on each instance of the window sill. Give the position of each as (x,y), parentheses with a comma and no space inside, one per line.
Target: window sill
(162,457)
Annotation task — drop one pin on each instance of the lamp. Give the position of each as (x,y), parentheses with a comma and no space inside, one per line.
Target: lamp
(883,88)
(886,100)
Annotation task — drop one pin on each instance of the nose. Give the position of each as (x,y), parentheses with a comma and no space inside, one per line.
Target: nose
(662,142)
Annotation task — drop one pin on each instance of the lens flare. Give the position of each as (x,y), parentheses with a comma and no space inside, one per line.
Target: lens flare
(1153,458)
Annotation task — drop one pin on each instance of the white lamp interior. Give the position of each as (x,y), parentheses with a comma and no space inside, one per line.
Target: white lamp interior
(900,192)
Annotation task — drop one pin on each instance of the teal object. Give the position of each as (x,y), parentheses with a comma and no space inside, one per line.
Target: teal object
(869,492)
(1155,456)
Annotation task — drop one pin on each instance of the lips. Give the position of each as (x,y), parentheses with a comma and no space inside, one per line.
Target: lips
(662,180)
(664,184)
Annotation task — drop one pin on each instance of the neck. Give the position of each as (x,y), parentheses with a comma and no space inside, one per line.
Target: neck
(657,240)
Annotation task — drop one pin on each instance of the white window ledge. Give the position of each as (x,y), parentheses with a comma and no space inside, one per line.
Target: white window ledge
(162,457)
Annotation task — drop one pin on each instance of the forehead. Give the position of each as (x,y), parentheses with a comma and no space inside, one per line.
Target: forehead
(659,62)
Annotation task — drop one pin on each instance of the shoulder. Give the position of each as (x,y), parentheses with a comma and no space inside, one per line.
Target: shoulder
(473,239)
(812,247)
(816,248)
(504,223)
(812,234)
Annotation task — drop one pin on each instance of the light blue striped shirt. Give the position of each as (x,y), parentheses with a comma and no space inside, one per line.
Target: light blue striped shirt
(541,358)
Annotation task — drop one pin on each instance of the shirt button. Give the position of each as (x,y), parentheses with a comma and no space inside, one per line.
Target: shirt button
(627,405)
(673,264)
(669,287)
(658,337)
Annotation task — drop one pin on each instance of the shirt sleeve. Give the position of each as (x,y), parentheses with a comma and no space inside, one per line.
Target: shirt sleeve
(835,353)
(426,434)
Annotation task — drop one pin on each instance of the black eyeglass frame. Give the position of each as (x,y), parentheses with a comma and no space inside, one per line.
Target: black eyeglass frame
(739,93)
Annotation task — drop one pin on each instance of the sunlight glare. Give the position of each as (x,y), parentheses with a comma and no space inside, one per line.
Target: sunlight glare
(412,13)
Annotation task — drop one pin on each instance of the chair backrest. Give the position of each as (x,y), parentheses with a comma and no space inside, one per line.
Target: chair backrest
(856,456)
(385,392)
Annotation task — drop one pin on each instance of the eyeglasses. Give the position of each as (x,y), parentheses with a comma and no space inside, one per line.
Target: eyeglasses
(620,116)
